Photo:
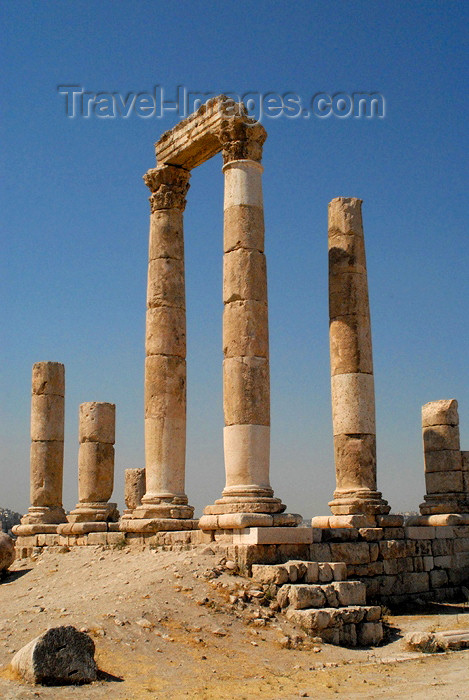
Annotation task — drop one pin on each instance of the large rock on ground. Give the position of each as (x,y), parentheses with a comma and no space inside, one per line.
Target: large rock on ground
(7,551)
(60,656)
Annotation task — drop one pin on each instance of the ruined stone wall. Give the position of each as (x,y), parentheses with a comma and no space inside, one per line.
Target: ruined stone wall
(397,564)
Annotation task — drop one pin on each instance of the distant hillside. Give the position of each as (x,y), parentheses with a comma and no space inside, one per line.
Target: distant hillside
(8,518)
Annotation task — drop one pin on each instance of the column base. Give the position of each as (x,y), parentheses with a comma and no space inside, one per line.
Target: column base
(445,503)
(48,515)
(240,520)
(152,525)
(359,502)
(94,512)
(245,504)
(164,511)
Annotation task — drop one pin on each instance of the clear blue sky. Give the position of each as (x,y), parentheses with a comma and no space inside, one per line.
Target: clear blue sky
(75,223)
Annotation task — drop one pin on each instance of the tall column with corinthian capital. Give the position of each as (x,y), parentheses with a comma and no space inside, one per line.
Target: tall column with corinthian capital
(165,346)
(246,389)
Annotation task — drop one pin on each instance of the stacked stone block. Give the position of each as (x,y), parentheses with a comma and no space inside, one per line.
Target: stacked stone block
(95,464)
(352,386)
(47,445)
(317,596)
(445,478)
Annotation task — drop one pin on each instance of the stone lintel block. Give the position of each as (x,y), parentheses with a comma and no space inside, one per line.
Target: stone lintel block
(345,216)
(165,332)
(48,378)
(166,283)
(444,482)
(442,412)
(346,252)
(244,228)
(245,329)
(246,390)
(95,471)
(165,386)
(244,276)
(243,184)
(348,294)
(355,463)
(166,234)
(441,437)
(247,453)
(134,488)
(197,138)
(350,345)
(273,535)
(46,459)
(97,422)
(47,417)
(353,404)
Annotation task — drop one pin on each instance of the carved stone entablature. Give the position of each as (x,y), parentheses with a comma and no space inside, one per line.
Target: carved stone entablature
(219,125)
(168,185)
(241,140)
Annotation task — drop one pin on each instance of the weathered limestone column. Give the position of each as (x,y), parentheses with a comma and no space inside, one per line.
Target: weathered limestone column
(134,488)
(246,391)
(444,475)
(47,444)
(95,464)
(353,400)
(165,363)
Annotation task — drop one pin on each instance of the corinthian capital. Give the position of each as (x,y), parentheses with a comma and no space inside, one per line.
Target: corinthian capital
(240,139)
(168,185)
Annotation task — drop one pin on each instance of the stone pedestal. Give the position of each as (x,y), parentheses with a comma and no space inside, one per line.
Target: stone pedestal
(353,401)
(47,445)
(95,464)
(445,477)
(165,363)
(246,390)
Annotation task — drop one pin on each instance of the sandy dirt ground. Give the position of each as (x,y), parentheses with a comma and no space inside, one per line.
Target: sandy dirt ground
(181,625)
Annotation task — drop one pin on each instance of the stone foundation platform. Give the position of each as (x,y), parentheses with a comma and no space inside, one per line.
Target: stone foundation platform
(397,563)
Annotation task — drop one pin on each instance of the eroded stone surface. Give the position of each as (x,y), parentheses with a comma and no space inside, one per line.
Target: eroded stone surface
(60,656)
(7,551)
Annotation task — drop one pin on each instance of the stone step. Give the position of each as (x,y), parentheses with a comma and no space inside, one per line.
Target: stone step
(333,595)
(355,625)
(297,571)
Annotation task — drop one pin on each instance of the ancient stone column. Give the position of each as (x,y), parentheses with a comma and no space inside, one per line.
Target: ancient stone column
(246,392)
(47,444)
(95,464)
(353,400)
(165,363)
(444,475)
(134,488)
